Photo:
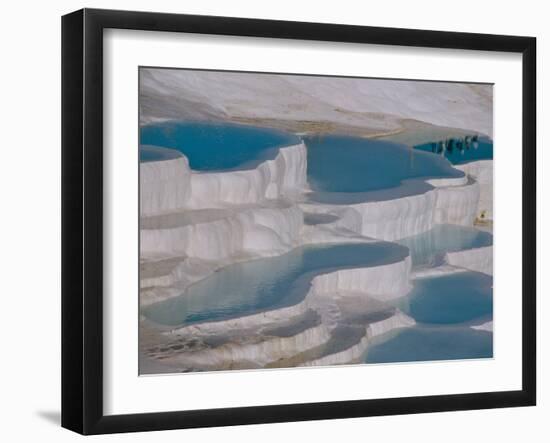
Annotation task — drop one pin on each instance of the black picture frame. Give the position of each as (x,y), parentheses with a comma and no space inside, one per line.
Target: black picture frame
(82,220)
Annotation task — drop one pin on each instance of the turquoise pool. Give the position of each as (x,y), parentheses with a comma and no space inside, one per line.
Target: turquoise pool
(344,169)
(444,308)
(211,146)
(424,343)
(429,248)
(341,170)
(450,299)
(268,283)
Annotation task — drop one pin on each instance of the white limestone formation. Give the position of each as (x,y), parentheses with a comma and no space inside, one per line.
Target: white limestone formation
(194,223)
(397,321)
(487,326)
(373,104)
(256,350)
(356,352)
(385,282)
(164,186)
(169,185)
(478,259)
(438,271)
(256,232)
(453,201)
(246,321)
(350,355)
(457,204)
(482,172)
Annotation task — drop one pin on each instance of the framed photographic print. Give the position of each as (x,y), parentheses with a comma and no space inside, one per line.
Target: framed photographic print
(269,221)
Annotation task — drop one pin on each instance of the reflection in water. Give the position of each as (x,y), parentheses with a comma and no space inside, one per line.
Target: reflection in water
(461,150)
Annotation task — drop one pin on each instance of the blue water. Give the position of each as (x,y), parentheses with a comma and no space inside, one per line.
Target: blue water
(430,247)
(269,283)
(148,153)
(340,170)
(355,164)
(344,169)
(218,146)
(444,308)
(450,299)
(459,153)
(425,344)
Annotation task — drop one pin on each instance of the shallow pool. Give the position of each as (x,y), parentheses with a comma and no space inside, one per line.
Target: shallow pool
(268,283)
(218,146)
(422,343)
(444,308)
(429,248)
(454,298)
(344,169)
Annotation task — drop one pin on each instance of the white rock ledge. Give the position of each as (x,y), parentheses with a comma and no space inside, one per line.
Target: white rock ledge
(386,282)
(478,259)
(397,321)
(258,232)
(258,351)
(438,271)
(487,326)
(456,203)
(357,352)
(170,185)
(240,215)
(349,355)
(482,172)
(164,186)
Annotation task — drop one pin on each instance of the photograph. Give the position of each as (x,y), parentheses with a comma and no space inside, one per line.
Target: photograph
(272,222)
(290,220)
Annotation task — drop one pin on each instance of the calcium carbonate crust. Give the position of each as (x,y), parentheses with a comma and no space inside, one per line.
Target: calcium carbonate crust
(170,185)
(261,230)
